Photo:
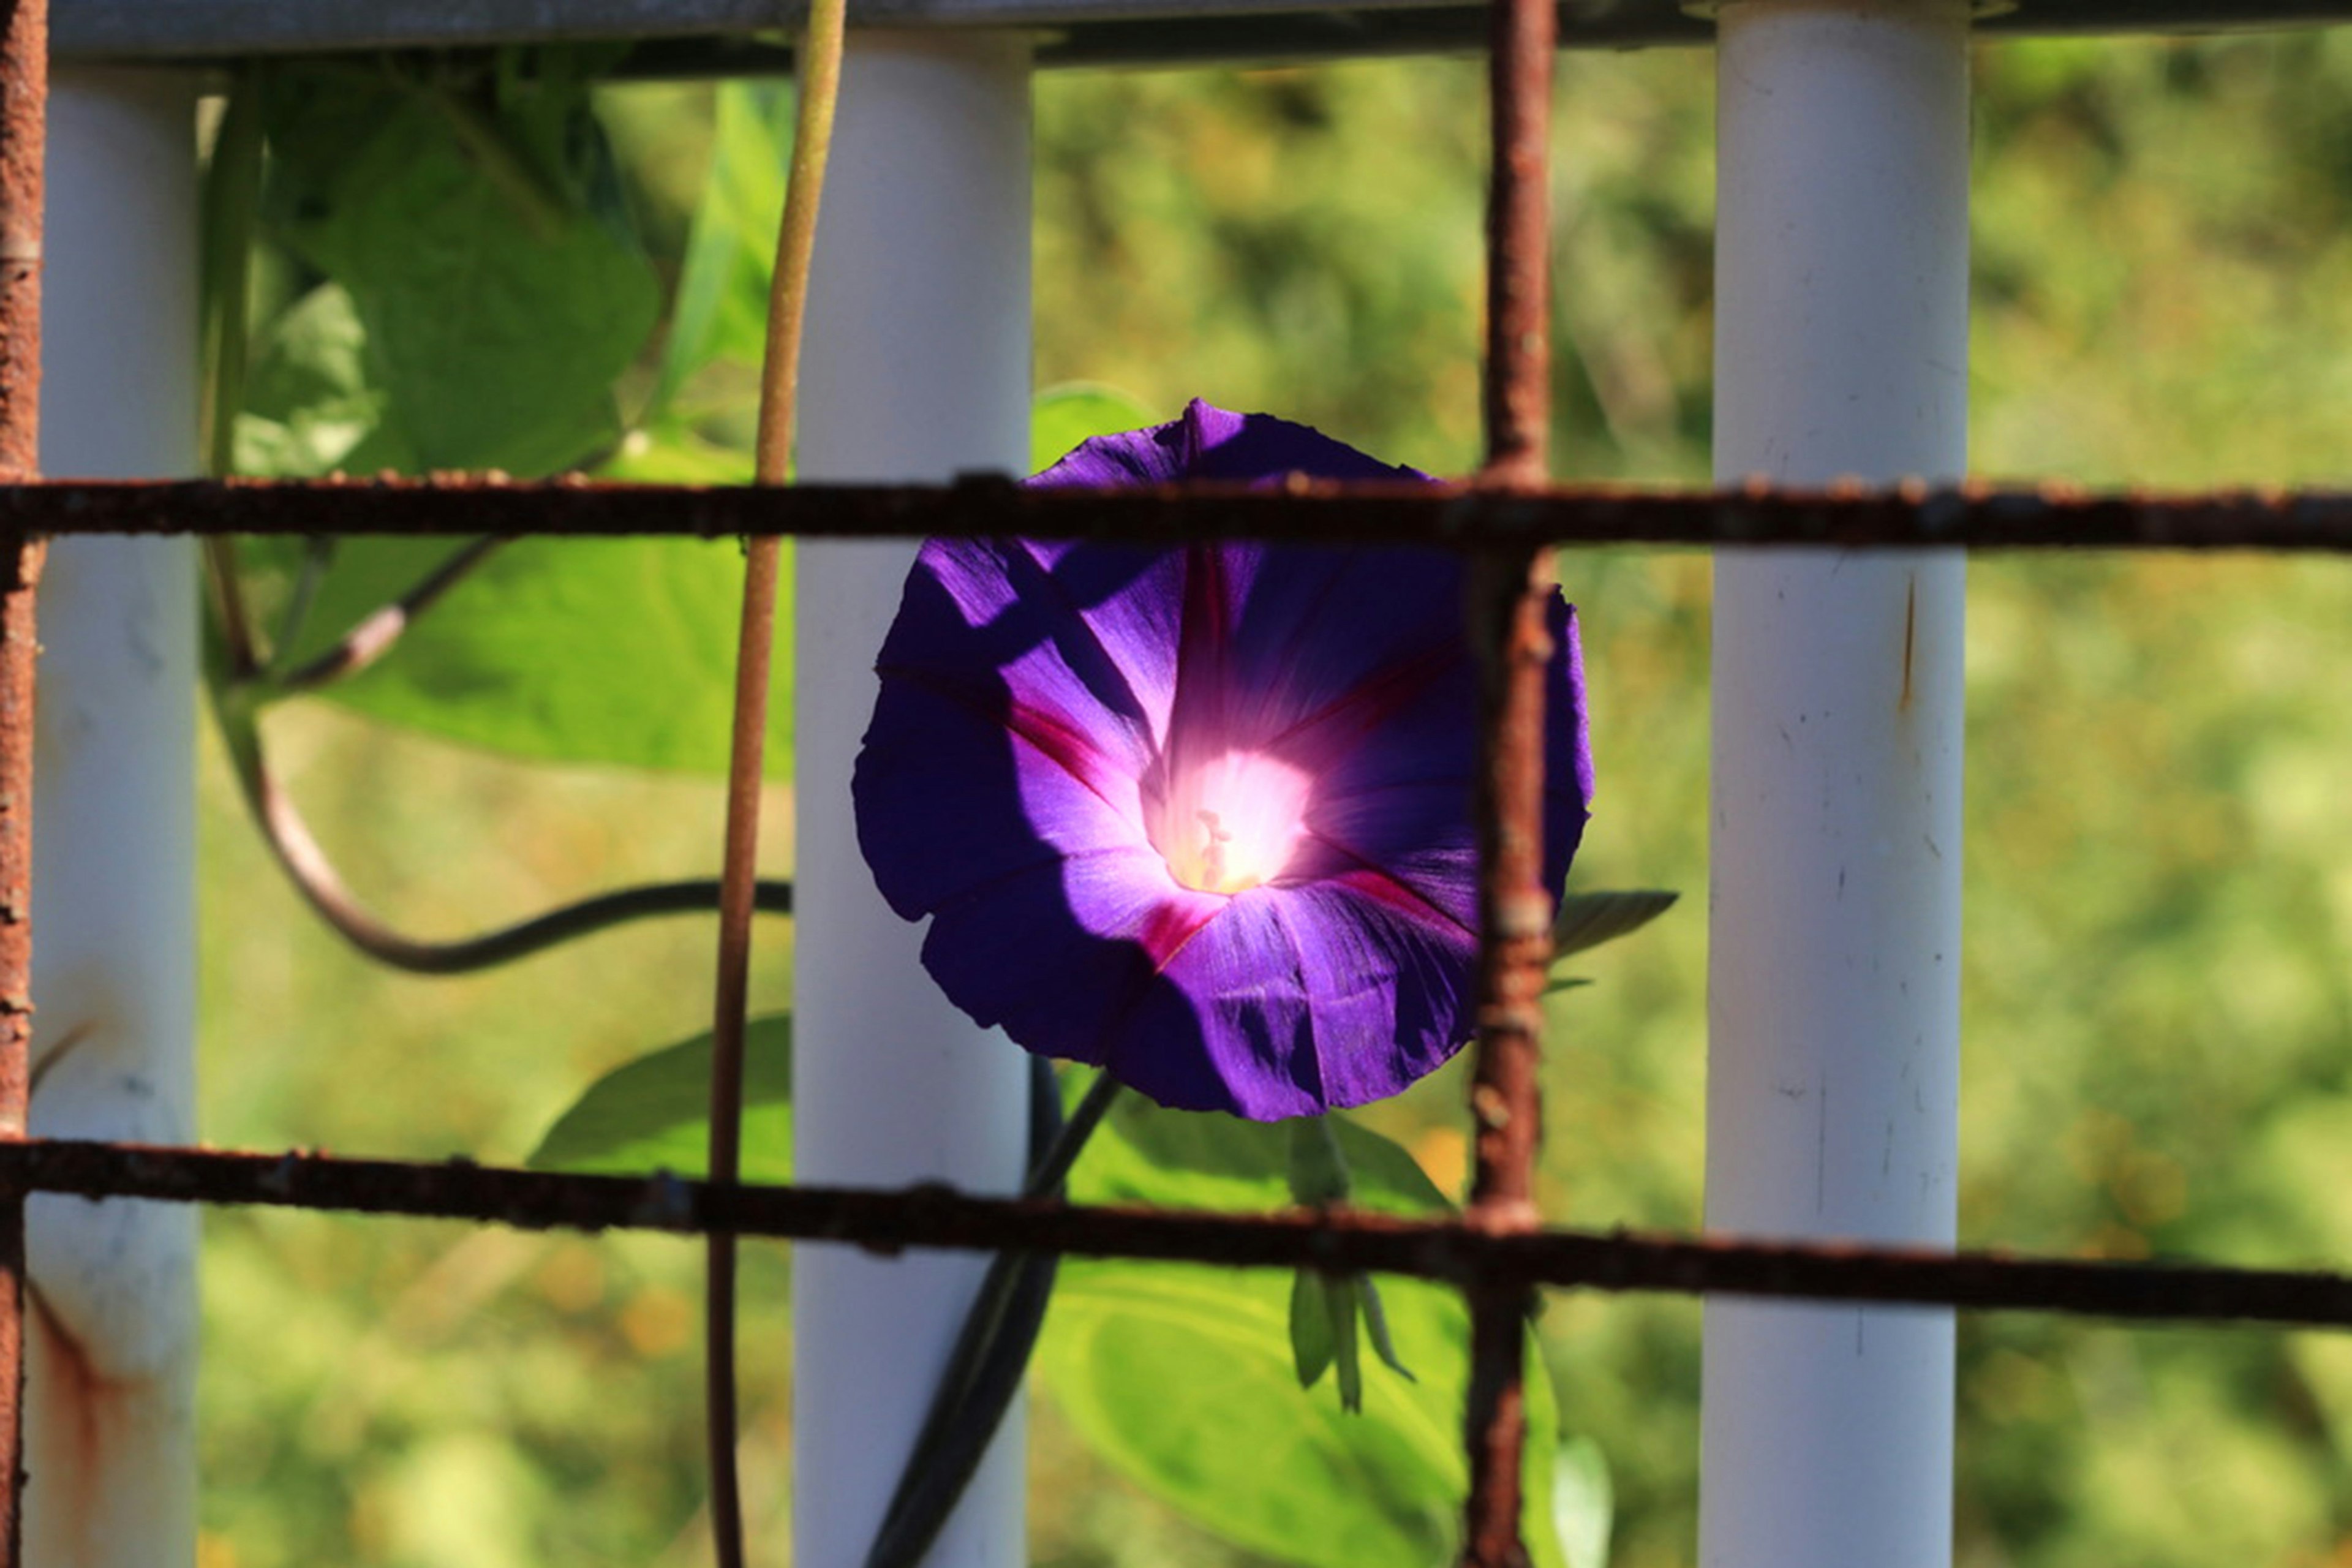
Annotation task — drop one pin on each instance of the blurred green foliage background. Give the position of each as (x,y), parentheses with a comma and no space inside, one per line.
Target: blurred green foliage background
(2158,1002)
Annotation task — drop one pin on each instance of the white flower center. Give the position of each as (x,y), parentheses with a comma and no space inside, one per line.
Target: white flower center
(1229,825)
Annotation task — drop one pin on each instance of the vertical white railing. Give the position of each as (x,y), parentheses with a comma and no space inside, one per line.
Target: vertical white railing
(1841,350)
(112,1353)
(917,367)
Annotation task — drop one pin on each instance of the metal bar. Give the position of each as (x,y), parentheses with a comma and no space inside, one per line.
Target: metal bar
(1834,825)
(1981,516)
(1340,1241)
(24,114)
(110,1362)
(1507,591)
(917,367)
(719,36)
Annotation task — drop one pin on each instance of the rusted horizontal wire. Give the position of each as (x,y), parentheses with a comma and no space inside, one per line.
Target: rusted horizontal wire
(1981,516)
(890,1221)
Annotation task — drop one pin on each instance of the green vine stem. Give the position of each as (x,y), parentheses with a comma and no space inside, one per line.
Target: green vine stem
(240,688)
(376,633)
(318,555)
(820,90)
(313,875)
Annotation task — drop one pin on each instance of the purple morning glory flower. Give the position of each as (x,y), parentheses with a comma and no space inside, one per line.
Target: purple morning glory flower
(1199,816)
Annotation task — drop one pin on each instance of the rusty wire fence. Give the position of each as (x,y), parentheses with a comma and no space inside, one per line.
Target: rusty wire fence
(1507,519)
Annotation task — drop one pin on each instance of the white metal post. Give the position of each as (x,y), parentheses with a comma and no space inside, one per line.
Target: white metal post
(112,1353)
(918,366)
(1841,350)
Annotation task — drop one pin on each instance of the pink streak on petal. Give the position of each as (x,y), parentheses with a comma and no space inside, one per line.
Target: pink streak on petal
(1073,751)
(1057,739)
(1382,888)
(1359,711)
(1118,625)
(1166,927)
(1202,639)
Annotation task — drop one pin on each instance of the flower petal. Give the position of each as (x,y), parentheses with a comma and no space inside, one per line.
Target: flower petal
(1325,636)
(1568,748)
(1293,1002)
(950,800)
(1061,954)
(1083,635)
(1416,836)
(1389,986)
(1227,1027)
(1209,442)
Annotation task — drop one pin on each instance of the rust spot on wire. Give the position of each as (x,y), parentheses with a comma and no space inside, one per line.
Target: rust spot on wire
(1458,516)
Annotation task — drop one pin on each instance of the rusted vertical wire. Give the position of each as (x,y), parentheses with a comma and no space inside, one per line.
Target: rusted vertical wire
(1518,243)
(20,571)
(1507,591)
(1506,1097)
(23,106)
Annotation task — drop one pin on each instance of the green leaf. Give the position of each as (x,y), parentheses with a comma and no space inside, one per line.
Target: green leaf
(1376,1326)
(1583,1502)
(677,451)
(1064,416)
(1339,1302)
(471,223)
(482,293)
(1185,1379)
(1311,1345)
(720,311)
(574,650)
(1189,1380)
(309,407)
(1588,920)
(1323,1312)
(653,1114)
(1145,1153)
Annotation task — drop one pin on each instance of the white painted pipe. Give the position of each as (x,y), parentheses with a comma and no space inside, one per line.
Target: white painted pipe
(1834,1004)
(113,1356)
(917,367)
